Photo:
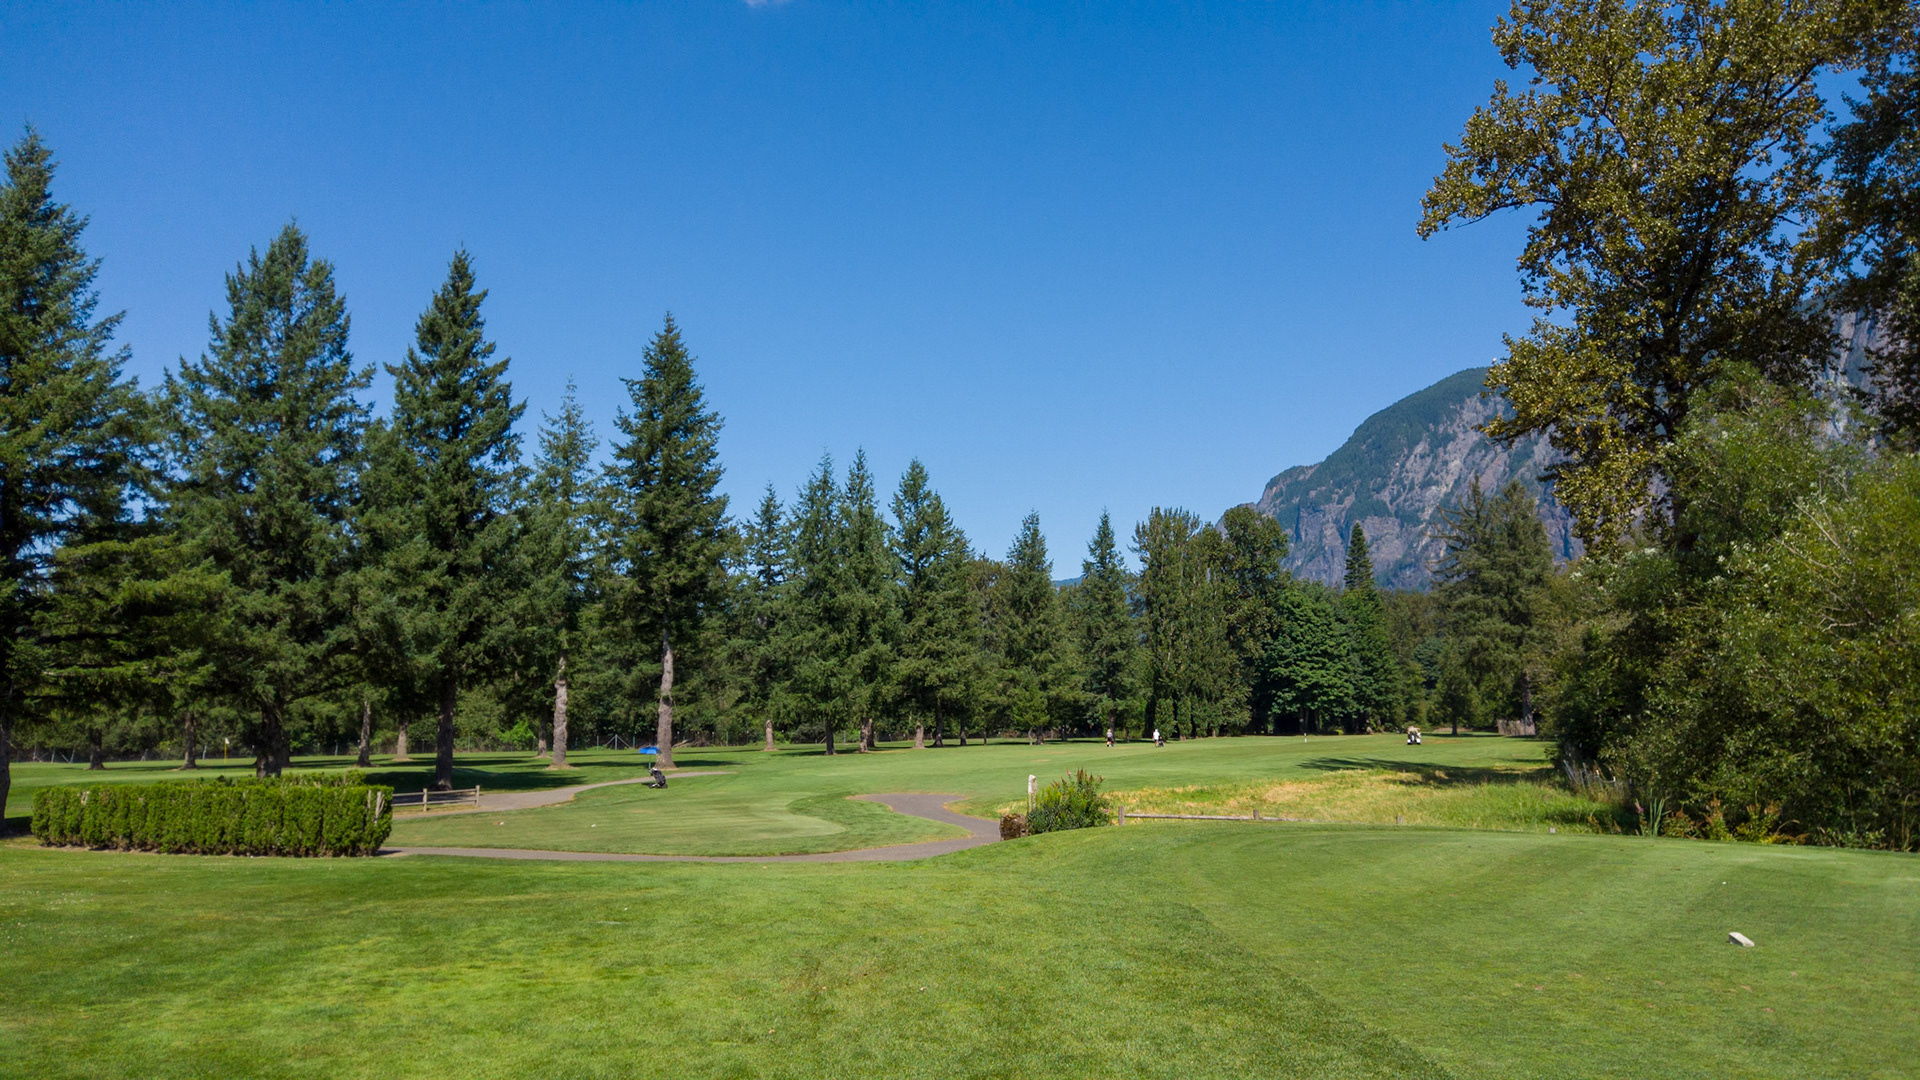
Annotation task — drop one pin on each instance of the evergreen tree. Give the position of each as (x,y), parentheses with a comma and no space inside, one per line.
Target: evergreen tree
(865,609)
(1109,636)
(453,496)
(806,633)
(265,435)
(1376,676)
(1308,668)
(559,549)
(935,659)
(667,523)
(1182,598)
(763,611)
(1253,570)
(1039,687)
(1489,582)
(69,423)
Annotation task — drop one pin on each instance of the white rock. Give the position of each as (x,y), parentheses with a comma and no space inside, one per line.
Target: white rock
(1740,939)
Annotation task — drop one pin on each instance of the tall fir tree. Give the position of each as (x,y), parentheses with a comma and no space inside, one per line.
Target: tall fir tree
(807,638)
(763,611)
(1039,686)
(1490,580)
(667,523)
(559,550)
(1376,675)
(69,423)
(1254,570)
(1109,636)
(865,607)
(935,658)
(265,436)
(459,465)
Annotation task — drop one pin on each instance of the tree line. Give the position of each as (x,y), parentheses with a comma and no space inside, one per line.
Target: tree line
(246,556)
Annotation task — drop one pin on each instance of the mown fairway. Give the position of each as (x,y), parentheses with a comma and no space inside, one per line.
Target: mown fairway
(796,800)
(1179,950)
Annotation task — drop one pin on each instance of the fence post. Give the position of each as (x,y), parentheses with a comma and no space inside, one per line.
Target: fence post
(1123,815)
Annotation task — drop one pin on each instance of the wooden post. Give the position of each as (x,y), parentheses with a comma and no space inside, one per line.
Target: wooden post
(1123,815)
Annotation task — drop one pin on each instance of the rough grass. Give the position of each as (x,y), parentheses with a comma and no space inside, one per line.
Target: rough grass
(1517,798)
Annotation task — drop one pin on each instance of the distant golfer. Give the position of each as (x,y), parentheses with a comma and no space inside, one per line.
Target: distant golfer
(1109,736)
(1157,739)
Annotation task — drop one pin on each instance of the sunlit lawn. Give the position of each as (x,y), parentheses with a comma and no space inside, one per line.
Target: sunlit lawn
(1182,950)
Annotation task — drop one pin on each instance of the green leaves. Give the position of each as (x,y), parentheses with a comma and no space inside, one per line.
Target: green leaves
(1668,150)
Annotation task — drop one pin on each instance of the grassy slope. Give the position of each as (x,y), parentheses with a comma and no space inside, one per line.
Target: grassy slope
(1168,949)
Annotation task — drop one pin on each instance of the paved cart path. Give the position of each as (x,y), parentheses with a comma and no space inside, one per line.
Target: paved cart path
(930,807)
(526,800)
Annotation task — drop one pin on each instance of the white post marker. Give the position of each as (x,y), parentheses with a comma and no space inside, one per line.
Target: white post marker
(1030,781)
(1740,939)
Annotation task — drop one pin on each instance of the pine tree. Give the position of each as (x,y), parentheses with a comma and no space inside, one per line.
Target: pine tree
(935,657)
(1253,566)
(1308,668)
(806,633)
(1489,582)
(865,607)
(69,424)
(265,435)
(1109,637)
(763,611)
(453,417)
(559,548)
(1039,687)
(1376,677)
(667,523)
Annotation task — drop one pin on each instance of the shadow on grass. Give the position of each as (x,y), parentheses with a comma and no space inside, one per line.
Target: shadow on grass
(1440,775)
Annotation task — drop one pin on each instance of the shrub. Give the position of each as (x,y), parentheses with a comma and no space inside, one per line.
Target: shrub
(292,816)
(1074,802)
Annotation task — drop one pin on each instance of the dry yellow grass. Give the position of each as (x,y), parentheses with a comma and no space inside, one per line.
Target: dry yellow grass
(1523,799)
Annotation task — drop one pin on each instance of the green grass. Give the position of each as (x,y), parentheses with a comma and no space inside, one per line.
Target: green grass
(795,801)
(1185,950)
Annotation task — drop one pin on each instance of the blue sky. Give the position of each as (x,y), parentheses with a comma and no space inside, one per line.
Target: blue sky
(1070,256)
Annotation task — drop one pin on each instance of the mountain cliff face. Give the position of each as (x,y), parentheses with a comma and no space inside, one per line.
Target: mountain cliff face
(1394,474)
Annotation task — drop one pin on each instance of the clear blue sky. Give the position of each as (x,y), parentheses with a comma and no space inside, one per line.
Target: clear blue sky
(1072,257)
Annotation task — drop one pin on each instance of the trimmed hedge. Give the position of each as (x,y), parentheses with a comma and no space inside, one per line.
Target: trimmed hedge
(289,816)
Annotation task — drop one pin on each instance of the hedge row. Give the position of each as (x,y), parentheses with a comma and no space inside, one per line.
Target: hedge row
(294,816)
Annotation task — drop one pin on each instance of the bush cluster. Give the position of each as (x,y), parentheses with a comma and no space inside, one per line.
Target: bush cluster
(1074,802)
(290,816)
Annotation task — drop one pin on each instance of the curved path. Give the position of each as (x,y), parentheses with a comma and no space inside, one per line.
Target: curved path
(930,807)
(527,800)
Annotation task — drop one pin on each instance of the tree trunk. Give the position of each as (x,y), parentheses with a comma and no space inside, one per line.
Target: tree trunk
(443,741)
(400,745)
(919,736)
(6,764)
(830,750)
(939,732)
(867,742)
(191,759)
(96,751)
(769,733)
(365,757)
(663,736)
(560,718)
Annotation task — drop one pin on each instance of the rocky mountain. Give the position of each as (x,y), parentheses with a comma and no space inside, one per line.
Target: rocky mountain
(1394,474)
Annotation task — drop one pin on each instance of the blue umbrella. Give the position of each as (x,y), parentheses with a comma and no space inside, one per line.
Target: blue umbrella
(650,750)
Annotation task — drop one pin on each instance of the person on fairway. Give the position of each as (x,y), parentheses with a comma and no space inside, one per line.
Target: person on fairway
(1157,740)
(1109,736)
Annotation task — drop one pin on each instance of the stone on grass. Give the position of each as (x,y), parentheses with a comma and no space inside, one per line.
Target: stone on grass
(1740,939)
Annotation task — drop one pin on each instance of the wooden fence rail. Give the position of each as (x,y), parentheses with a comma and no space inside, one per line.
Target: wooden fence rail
(430,798)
